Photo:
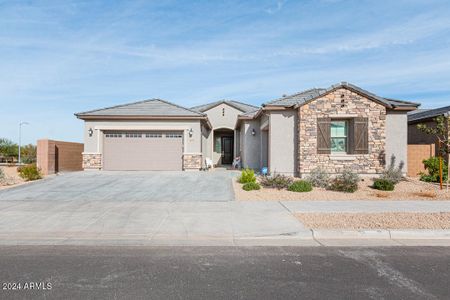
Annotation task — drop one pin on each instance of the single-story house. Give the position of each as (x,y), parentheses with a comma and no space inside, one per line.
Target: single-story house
(341,126)
(427,117)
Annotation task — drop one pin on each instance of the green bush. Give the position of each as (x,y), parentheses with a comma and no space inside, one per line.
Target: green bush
(347,182)
(251,186)
(383,184)
(300,186)
(276,181)
(247,175)
(29,172)
(432,167)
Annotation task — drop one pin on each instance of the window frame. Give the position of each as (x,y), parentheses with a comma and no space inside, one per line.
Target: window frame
(346,136)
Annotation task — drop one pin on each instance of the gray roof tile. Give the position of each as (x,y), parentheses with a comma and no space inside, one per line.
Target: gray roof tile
(428,114)
(152,107)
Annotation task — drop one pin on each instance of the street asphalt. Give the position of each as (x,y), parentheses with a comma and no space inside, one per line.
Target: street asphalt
(225,273)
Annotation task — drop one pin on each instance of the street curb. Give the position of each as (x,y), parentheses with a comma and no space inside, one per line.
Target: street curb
(381,234)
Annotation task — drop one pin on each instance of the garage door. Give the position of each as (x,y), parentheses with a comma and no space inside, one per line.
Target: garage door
(143,150)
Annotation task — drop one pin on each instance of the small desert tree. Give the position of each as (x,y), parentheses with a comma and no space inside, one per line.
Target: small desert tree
(441,131)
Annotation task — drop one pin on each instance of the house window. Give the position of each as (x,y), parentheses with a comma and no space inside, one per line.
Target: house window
(153,135)
(174,135)
(113,135)
(133,135)
(339,132)
(218,144)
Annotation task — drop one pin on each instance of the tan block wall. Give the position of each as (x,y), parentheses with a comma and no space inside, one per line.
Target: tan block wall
(416,155)
(58,156)
(192,161)
(330,105)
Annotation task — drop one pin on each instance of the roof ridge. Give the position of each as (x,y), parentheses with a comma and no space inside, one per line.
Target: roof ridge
(139,102)
(295,94)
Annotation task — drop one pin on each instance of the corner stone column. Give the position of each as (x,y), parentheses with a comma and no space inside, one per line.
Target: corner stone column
(92,161)
(192,161)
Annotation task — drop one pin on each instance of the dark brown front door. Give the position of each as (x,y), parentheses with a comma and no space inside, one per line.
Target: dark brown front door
(227,150)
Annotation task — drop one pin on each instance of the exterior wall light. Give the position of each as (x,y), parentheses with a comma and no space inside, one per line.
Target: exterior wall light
(253,132)
(191,132)
(91,132)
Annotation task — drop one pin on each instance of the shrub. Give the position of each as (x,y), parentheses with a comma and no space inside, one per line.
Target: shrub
(383,184)
(392,173)
(277,181)
(432,167)
(319,178)
(247,175)
(300,186)
(29,172)
(251,186)
(346,182)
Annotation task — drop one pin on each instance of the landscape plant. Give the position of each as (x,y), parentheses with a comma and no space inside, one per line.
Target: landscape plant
(319,178)
(346,182)
(432,166)
(29,172)
(247,175)
(251,186)
(300,186)
(392,173)
(277,181)
(383,184)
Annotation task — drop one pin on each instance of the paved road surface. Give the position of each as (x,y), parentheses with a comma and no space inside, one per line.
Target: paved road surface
(228,273)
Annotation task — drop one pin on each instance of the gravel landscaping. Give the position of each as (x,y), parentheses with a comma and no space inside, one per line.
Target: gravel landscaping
(11,177)
(410,189)
(356,221)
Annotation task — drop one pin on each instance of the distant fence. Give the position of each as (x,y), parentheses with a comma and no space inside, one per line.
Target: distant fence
(57,156)
(416,155)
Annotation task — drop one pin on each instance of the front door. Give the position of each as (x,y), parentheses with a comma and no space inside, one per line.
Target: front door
(227,150)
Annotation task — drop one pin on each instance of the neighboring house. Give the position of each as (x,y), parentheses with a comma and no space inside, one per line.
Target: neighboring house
(334,128)
(427,117)
(342,126)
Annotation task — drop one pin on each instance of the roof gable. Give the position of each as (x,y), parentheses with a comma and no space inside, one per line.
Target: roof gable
(312,94)
(151,107)
(243,107)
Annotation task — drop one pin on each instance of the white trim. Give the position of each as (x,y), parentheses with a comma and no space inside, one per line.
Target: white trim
(142,127)
(192,153)
(91,153)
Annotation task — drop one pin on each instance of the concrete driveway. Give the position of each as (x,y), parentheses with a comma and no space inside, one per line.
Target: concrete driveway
(125,186)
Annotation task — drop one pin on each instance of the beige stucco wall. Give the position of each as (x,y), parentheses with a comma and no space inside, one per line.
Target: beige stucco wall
(251,144)
(283,142)
(94,144)
(397,137)
(222,116)
(330,105)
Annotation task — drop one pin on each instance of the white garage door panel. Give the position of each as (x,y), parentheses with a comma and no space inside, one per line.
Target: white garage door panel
(143,151)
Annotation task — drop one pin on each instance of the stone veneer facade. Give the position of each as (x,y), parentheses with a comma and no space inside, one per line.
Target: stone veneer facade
(92,161)
(192,161)
(330,105)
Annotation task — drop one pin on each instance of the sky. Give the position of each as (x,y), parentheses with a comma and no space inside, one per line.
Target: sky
(62,57)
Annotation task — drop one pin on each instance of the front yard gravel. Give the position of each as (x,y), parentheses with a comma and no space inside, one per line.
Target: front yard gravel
(357,221)
(411,189)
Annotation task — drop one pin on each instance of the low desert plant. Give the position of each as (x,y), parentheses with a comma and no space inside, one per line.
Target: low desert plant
(277,181)
(251,186)
(319,178)
(382,184)
(432,167)
(29,172)
(346,182)
(247,175)
(300,186)
(392,173)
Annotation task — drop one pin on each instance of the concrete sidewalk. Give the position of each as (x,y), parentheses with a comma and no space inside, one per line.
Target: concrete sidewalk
(354,206)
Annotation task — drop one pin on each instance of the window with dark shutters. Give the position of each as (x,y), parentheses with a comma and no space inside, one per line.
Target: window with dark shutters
(323,136)
(361,136)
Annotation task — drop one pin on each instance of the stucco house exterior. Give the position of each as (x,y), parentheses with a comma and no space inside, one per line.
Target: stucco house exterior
(341,126)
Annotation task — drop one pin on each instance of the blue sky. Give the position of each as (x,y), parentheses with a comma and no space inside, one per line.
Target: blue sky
(62,57)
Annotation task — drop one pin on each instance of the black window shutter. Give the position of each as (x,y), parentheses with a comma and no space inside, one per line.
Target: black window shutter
(360,136)
(323,136)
